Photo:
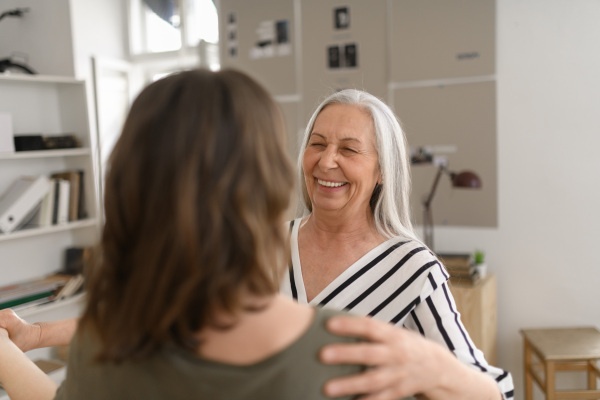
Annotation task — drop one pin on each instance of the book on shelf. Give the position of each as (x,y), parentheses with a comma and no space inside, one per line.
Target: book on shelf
(467,279)
(62,206)
(20,200)
(456,261)
(47,207)
(64,201)
(36,291)
(460,266)
(75,186)
(71,287)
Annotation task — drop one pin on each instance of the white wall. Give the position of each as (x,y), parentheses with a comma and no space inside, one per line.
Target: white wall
(544,251)
(100,29)
(60,36)
(43,35)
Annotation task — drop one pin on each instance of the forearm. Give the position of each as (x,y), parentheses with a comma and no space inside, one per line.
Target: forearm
(56,333)
(474,385)
(21,378)
(403,363)
(455,337)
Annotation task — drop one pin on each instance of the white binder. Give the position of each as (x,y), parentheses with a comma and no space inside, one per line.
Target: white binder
(20,199)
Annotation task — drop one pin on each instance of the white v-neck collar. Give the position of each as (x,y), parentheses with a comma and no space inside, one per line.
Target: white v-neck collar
(297,266)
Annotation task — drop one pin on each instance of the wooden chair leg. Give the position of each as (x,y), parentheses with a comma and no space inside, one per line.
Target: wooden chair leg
(550,380)
(591,375)
(528,377)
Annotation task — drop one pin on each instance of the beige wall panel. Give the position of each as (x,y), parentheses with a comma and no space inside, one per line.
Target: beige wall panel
(461,118)
(366,28)
(250,41)
(433,39)
(289,110)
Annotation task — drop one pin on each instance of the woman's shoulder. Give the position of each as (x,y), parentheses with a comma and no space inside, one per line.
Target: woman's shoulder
(407,245)
(324,314)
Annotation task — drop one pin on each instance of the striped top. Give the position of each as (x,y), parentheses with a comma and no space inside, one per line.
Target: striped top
(402,282)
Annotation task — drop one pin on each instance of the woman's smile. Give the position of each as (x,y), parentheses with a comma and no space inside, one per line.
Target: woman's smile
(331,184)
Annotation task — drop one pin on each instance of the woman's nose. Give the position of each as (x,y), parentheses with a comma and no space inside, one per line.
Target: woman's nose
(328,158)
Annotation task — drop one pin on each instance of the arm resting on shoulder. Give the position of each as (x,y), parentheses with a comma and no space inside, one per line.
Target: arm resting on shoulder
(21,378)
(405,364)
(40,334)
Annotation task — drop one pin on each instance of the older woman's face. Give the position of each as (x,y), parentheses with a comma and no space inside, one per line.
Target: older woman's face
(340,163)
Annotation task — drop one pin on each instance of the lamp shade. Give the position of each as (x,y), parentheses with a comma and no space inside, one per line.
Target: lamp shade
(466,179)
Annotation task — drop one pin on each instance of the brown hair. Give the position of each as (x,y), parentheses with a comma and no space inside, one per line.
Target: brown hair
(195,194)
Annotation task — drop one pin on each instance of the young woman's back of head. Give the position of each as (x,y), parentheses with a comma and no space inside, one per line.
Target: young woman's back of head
(194,199)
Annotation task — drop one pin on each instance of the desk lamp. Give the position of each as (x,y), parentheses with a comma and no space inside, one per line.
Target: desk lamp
(464,179)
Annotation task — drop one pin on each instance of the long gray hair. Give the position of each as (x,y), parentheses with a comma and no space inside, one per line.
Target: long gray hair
(390,200)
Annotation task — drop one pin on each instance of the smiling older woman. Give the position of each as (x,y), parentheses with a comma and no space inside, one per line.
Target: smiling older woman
(354,248)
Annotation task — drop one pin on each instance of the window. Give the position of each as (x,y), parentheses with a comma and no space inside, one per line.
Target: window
(159,26)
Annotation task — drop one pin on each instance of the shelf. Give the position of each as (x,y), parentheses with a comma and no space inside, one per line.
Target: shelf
(25,233)
(38,78)
(45,154)
(44,308)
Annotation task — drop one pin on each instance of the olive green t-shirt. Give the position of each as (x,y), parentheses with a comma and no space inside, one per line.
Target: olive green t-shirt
(292,374)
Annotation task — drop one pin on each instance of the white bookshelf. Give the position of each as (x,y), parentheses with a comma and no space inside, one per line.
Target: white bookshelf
(47,105)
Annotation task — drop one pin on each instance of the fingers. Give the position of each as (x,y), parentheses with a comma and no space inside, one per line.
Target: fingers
(360,327)
(373,384)
(366,382)
(355,353)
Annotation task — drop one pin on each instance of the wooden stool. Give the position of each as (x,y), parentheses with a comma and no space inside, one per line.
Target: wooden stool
(565,349)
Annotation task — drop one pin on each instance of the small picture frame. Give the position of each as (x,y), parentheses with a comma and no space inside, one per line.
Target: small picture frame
(334,57)
(341,18)
(351,55)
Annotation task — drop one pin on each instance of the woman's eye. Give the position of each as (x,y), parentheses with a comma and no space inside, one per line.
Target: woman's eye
(348,149)
(316,145)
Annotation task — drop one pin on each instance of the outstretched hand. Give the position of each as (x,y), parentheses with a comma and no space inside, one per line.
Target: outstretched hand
(24,335)
(403,363)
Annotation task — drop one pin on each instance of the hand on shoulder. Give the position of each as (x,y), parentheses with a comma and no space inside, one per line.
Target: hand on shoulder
(404,364)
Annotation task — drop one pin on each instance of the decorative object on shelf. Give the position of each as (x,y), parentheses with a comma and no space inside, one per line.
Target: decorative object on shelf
(9,63)
(480,265)
(77,259)
(41,142)
(16,12)
(464,179)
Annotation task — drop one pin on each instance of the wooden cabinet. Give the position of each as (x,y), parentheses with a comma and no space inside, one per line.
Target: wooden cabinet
(477,306)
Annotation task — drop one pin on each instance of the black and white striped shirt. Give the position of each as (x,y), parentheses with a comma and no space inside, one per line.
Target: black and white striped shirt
(401,282)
